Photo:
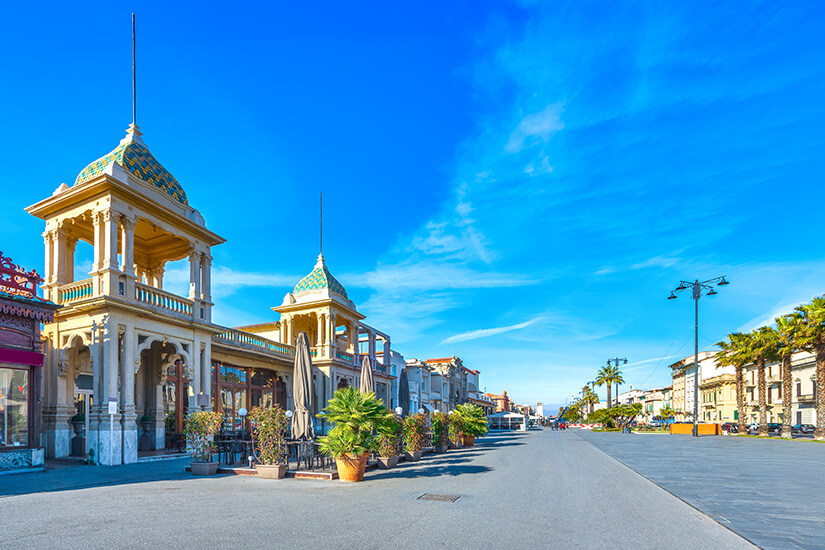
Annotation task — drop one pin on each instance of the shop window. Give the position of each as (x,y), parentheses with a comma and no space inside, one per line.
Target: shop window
(14,408)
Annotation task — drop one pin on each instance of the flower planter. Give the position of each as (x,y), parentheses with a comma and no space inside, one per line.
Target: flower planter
(271,471)
(204,468)
(387,462)
(412,457)
(351,467)
(468,440)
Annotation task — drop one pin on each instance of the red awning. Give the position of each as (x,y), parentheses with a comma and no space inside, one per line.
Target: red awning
(21,357)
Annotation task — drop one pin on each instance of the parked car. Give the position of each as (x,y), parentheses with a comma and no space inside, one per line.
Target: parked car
(730,427)
(803,428)
(656,424)
(753,428)
(774,428)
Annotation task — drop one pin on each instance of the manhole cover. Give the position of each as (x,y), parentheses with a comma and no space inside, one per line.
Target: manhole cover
(439,498)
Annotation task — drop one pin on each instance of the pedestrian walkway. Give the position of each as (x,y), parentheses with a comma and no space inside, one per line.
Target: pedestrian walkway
(771,492)
(539,489)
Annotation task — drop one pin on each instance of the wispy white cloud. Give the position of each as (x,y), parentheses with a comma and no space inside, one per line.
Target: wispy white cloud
(225,281)
(434,275)
(487,332)
(536,128)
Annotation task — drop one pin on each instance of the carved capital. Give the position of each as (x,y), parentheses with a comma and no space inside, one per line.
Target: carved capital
(63,368)
(128,222)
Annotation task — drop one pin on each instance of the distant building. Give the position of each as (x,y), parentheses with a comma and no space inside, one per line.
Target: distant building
(502,402)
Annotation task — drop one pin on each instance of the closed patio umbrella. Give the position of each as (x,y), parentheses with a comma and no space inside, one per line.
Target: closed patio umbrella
(302,425)
(367,382)
(404,393)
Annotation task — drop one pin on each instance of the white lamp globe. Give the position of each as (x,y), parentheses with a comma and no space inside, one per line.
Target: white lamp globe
(398,411)
(242,412)
(420,411)
(288,414)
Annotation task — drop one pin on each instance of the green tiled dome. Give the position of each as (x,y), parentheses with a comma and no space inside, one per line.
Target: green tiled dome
(319,279)
(133,156)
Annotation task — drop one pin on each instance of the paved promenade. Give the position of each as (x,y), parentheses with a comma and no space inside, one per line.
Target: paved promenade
(771,492)
(541,489)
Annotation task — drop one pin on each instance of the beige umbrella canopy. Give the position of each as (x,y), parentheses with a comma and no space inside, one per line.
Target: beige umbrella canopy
(302,425)
(367,382)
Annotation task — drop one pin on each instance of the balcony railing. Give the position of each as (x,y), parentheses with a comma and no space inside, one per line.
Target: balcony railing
(75,292)
(246,339)
(163,300)
(343,355)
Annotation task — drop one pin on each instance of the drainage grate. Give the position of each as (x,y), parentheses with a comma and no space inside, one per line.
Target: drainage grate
(438,497)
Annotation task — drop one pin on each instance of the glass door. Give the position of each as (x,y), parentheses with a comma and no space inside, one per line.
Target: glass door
(175,404)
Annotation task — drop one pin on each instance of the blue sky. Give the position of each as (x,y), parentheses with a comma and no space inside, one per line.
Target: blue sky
(521,183)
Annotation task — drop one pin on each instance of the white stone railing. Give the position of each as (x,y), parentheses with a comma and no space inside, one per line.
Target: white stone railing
(163,300)
(75,292)
(246,339)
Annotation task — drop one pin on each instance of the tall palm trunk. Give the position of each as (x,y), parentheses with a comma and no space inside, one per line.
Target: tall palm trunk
(819,433)
(608,394)
(740,398)
(787,401)
(763,403)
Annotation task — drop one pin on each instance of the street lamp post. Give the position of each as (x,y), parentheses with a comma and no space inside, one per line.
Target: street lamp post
(696,287)
(616,361)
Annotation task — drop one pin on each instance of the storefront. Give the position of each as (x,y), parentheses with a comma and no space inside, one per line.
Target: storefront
(21,361)
(235,388)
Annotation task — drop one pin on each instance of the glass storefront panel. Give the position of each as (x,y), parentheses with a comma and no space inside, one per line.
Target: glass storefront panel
(14,408)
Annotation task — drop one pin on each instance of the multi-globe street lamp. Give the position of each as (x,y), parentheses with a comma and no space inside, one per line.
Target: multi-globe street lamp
(696,287)
(616,361)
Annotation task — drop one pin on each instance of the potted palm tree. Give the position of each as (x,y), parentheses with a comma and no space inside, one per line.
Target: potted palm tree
(200,428)
(441,428)
(356,416)
(471,422)
(388,434)
(269,440)
(413,429)
(454,438)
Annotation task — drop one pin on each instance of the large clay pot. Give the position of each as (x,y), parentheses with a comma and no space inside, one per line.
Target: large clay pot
(468,440)
(204,468)
(387,462)
(412,457)
(271,471)
(351,467)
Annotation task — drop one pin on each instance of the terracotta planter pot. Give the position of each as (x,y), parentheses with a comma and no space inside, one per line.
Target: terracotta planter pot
(468,440)
(203,468)
(387,462)
(412,457)
(351,467)
(271,471)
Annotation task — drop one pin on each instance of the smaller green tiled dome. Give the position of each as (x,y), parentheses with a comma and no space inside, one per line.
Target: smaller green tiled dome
(133,156)
(318,280)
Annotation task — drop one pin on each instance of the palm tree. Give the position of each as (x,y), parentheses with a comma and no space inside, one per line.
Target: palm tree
(609,375)
(812,338)
(736,352)
(667,411)
(764,346)
(589,398)
(788,329)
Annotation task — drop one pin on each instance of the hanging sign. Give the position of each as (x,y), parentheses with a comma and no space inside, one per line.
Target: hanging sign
(113,405)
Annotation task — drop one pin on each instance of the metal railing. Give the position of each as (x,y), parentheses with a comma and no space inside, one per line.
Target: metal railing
(246,339)
(75,292)
(166,301)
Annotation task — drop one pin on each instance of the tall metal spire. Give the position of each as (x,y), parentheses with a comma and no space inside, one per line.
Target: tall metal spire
(321,223)
(134,79)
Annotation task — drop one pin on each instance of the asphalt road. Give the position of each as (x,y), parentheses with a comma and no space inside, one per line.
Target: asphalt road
(541,489)
(771,491)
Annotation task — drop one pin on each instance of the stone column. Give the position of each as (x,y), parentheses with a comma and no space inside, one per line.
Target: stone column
(194,275)
(48,270)
(206,277)
(128,245)
(354,343)
(110,219)
(59,238)
(71,243)
(387,355)
(108,455)
(371,348)
(319,337)
(206,372)
(128,366)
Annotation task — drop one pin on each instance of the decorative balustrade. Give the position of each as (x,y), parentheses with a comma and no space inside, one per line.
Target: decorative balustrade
(343,355)
(313,352)
(75,292)
(234,336)
(163,300)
